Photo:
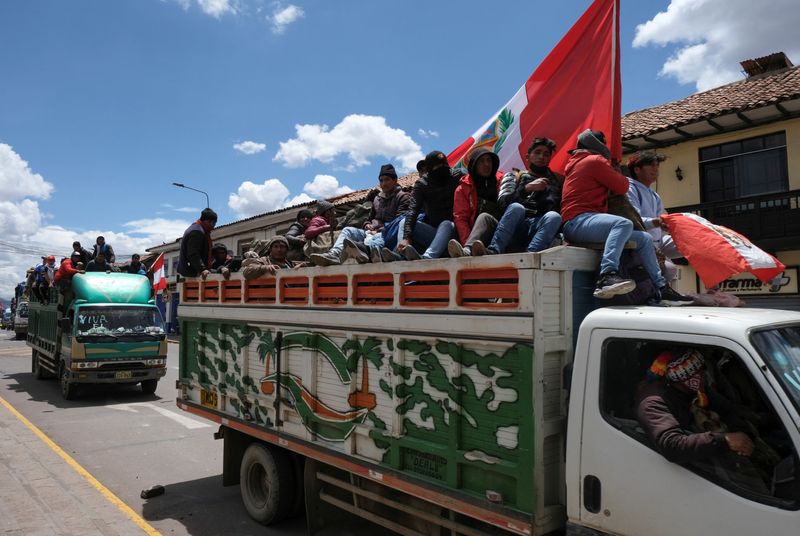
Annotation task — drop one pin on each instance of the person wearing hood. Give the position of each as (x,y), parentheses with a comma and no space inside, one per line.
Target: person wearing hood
(530,201)
(86,256)
(101,246)
(195,254)
(475,208)
(584,209)
(222,262)
(323,221)
(432,195)
(277,248)
(353,242)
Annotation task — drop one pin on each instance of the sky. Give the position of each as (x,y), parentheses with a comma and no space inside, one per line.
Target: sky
(263,104)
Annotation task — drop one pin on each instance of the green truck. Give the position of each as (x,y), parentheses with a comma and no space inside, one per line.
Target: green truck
(104,328)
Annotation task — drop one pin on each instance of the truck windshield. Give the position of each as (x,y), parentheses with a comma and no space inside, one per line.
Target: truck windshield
(119,322)
(23,310)
(780,349)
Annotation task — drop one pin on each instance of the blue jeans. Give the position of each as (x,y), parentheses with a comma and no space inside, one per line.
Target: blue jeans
(614,231)
(434,239)
(353,233)
(514,228)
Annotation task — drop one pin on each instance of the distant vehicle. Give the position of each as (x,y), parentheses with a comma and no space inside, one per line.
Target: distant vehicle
(21,320)
(106,328)
(6,320)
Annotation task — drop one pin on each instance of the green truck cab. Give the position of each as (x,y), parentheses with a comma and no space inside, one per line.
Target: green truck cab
(104,328)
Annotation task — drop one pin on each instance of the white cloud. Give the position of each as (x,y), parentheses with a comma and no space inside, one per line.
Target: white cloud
(427,133)
(357,136)
(251,198)
(190,210)
(284,16)
(249,147)
(709,52)
(324,186)
(216,8)
(17,180)
(157,230)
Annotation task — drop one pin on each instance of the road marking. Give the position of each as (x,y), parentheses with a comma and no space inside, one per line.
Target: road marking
(9,351)
(183,420)
(104,491)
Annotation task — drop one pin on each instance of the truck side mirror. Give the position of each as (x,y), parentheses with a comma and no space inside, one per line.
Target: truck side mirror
(66,324)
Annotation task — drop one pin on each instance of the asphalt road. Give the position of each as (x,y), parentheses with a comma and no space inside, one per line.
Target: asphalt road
(130,441)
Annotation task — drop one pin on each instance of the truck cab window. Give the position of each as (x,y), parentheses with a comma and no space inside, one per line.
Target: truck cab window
(699,407)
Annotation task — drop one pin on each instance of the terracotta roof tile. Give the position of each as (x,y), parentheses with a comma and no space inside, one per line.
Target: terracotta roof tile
(739,96)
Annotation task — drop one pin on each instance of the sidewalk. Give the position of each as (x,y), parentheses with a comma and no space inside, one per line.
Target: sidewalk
(42,495)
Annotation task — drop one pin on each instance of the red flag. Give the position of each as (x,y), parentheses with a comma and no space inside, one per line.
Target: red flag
(159,279)
(576,87)
(716,252)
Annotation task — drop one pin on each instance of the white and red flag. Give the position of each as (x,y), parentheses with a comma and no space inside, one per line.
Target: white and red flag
(716,252)
(576,87)
(159,279)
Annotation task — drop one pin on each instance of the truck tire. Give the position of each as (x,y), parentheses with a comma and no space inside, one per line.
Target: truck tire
(36,366)
(266,483)
(149,386)
(68,388)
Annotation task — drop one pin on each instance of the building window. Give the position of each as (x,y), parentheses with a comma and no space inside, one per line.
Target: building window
(743,168)
(243,245)
(175,265)
(166,267)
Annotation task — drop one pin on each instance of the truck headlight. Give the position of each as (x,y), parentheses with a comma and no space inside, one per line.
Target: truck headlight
(85,364)
(155,362)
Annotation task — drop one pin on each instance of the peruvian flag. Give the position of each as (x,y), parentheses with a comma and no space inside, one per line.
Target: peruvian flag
(576,87)
(159,280)
(716,252)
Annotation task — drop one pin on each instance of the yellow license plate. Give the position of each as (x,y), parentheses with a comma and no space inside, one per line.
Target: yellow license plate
(208,398)
(123,375)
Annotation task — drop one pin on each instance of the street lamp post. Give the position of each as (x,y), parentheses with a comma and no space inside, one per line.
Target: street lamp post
(181,185)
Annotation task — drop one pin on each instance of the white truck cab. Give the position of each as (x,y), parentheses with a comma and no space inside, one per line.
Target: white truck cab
(618,483)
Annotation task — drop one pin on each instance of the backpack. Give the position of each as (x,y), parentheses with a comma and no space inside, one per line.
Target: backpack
(631,267)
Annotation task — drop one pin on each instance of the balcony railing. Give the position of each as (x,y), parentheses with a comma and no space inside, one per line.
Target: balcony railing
(771,221)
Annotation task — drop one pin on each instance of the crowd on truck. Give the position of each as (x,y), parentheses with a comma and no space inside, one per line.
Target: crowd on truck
(477,211)
(46,274)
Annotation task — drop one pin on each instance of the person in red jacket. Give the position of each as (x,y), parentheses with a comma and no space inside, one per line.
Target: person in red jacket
(590,178)
(322,222)
(68,268)
(475,208)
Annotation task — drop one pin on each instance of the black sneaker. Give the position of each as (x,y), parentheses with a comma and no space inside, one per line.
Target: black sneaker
(375,254)
(611,284)
(325,259)
(411,254)
(387,255)
(350,250)
(670,296)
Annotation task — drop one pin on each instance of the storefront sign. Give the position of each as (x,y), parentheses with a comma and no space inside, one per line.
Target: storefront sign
(748,285)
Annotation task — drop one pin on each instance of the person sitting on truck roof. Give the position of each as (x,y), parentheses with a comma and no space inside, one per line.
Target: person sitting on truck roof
(69,267)
(86,256)
(102,247)
(643,168)
(475,208)
(223,262)
(353,242)
(98,264)
(530,201)
(584,209)
(295,235)
(432,194)
(254,266)
(323,221)
(136,266)
(195,254)
(44,275)
(688,421)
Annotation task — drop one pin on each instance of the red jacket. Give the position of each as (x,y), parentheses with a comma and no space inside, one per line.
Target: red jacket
(465,205)
(586,186)
(317,226)
(65,271)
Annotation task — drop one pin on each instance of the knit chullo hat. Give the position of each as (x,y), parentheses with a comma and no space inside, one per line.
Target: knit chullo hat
(323,206)
(686,369)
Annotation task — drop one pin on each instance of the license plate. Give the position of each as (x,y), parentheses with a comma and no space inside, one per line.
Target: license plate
(208,398)
(123,375)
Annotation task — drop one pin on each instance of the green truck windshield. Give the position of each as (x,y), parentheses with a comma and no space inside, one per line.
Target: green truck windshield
(119,322)
(780,349)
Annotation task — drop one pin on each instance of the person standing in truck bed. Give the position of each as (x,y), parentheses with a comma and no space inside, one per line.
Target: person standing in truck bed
(195,255)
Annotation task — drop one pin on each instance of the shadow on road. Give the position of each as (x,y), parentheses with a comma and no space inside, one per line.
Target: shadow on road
(205,507)
(88,395)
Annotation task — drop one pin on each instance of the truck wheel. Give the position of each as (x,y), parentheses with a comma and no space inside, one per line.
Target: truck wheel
(36,366)
(149,386)
(266,483)
(68,388)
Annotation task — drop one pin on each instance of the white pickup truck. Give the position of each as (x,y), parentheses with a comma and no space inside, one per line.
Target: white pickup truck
(479,396)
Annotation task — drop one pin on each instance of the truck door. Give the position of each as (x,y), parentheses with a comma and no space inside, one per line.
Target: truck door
(627,487)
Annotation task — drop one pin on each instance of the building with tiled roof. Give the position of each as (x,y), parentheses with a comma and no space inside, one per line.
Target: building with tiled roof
(732,157)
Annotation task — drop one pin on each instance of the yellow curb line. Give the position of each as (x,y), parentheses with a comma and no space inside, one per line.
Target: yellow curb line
(107,493)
